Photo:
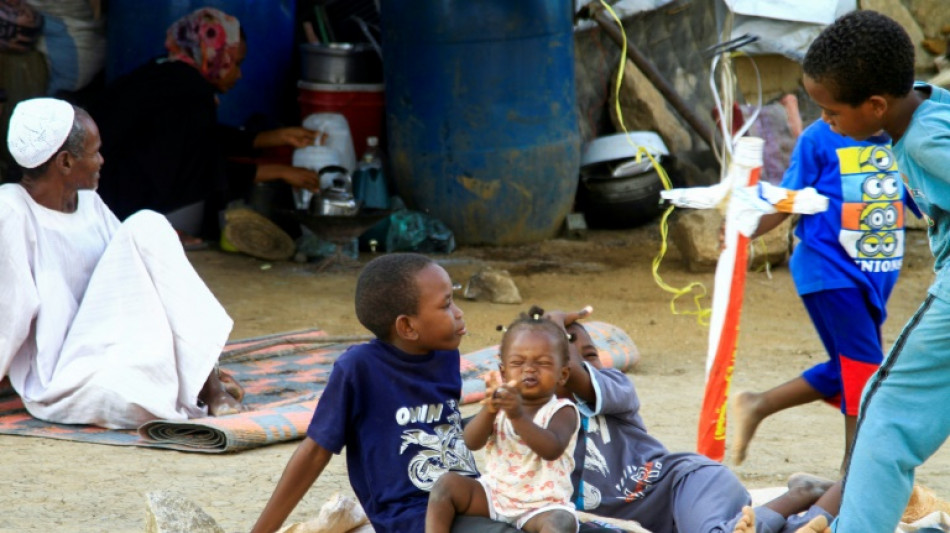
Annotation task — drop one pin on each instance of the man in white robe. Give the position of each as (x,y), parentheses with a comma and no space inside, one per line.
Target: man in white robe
(101,322)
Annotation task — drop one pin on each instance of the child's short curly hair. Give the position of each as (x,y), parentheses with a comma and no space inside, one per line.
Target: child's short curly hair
(862,54)
(535,320)
(386,289)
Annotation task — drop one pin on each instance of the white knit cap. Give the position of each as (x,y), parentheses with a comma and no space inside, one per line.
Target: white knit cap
(38,128)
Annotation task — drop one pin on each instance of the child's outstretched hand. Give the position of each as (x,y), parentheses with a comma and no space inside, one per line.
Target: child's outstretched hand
(566,318)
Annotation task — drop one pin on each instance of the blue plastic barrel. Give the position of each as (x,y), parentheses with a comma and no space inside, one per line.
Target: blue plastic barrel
(480,108)
(136,34)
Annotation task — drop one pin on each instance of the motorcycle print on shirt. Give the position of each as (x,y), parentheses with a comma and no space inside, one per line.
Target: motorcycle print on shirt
(436,453)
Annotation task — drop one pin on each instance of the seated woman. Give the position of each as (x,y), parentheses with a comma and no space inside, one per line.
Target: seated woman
(165,147)
(104,322)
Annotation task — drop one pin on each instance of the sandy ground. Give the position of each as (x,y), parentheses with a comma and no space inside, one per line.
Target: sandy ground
(66,486)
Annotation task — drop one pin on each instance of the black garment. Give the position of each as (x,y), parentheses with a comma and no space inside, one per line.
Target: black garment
(477,524)
(163,146)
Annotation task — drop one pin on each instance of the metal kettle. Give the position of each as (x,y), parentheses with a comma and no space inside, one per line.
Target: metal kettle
(337,199)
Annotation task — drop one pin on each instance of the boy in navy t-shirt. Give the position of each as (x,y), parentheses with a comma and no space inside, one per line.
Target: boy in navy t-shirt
(392,402)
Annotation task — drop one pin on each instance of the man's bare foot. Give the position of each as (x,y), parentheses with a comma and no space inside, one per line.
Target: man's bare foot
(218,398)
(746,524)
(191,243)
(813,485)
(231,385)
(747,419)
(819,524)
(223,403)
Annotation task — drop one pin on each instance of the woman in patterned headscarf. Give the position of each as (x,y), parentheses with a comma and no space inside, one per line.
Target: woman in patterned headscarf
(210,41)
(161,136)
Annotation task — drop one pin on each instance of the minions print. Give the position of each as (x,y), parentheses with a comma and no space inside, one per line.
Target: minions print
(872,209)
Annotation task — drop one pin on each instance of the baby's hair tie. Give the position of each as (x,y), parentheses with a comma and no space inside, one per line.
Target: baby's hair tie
(535,314)
(501,328)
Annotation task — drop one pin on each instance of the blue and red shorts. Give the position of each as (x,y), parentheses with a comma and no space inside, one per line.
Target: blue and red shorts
(850,329)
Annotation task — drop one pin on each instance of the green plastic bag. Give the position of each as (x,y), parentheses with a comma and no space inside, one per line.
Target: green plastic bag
(412,231)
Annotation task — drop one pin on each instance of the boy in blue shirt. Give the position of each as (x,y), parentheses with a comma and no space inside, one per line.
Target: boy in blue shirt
(860,71)
(392,402)
(844,267)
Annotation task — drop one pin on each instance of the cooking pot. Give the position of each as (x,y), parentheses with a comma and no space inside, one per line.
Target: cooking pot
(340,63)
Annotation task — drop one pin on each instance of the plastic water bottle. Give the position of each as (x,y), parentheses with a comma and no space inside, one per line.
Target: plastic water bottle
(369,183)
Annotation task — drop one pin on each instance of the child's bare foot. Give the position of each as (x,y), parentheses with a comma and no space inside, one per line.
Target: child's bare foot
(747,419)
(746,524)
(804,490)
(812,485)
(819,524)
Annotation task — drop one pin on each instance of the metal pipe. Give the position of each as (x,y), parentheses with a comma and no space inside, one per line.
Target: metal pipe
(649,70)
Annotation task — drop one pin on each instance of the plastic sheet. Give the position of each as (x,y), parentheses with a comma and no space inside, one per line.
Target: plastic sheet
(412,231)
(785,27)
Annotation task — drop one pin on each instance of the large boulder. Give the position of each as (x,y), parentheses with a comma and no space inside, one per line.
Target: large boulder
(644,108)
(932,15)
(896,10)
(696,233)
(774,248)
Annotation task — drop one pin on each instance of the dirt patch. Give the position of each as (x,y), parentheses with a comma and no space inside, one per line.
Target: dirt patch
(58,485)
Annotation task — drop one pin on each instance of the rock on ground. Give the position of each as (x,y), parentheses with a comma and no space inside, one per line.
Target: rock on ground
(493,285)
(169,512)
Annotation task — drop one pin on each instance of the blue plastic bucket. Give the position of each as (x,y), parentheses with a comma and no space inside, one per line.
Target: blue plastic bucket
(136,33)
(481,118)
